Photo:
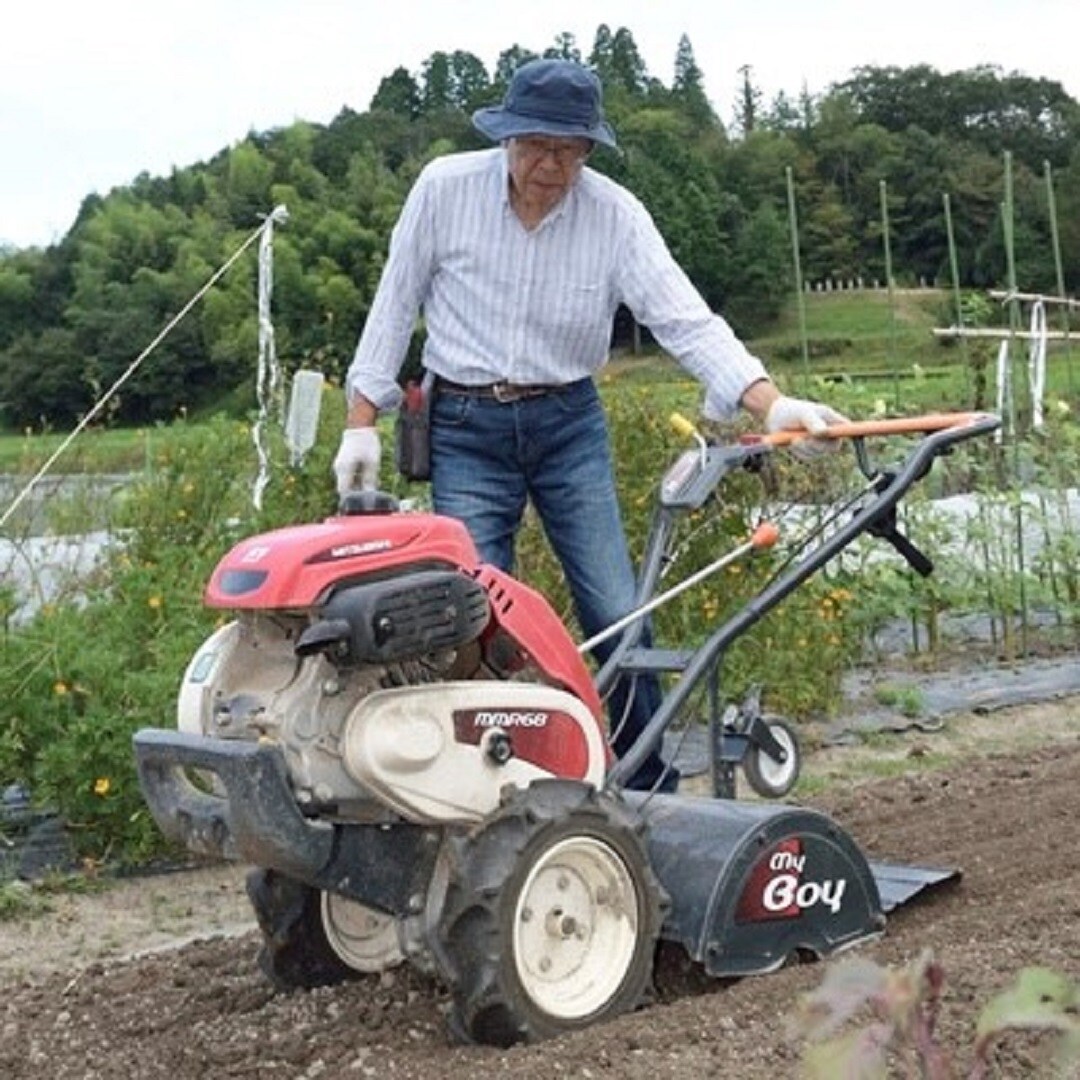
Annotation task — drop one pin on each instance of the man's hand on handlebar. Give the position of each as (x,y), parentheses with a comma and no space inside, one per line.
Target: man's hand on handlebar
(795,414)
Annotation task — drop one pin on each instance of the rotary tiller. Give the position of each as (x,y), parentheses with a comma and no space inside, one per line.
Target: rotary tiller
(409,749)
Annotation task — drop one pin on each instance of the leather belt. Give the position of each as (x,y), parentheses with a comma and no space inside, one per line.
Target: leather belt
(502,391)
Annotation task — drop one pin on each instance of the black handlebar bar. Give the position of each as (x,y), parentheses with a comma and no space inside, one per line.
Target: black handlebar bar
(877,517)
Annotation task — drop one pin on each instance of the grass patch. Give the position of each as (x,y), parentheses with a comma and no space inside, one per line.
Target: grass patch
(874,759)
(907,700)
(20,900)
(97,450)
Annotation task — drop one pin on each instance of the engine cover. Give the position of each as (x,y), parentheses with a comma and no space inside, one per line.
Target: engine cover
(398,618)
(443,752)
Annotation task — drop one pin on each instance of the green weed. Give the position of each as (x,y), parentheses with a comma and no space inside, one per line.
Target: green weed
(865,1020)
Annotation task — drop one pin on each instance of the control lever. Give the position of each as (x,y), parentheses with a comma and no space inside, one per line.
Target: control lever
(886,529)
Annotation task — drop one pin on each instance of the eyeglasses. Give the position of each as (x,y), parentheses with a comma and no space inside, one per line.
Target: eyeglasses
(565,151)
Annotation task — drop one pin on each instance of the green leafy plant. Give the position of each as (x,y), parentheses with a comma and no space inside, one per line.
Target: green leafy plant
(864,1016)
(81,677)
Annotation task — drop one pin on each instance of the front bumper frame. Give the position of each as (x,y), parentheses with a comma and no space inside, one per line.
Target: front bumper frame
(257,820)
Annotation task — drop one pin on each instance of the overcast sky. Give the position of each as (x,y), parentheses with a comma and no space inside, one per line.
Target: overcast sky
(92,94)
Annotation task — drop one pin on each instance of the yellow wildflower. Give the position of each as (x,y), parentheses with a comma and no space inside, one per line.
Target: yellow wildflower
(102,785)
(60,688)
(154,602)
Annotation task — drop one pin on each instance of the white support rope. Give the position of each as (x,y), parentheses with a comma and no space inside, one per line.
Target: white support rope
(1004,392)
(1037,363)
(268,385)
(131,369)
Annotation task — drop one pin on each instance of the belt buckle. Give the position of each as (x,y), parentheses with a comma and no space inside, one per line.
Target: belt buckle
(506,392)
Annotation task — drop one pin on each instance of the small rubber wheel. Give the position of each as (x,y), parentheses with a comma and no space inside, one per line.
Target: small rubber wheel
(551,917)
(772,779)
(296,952)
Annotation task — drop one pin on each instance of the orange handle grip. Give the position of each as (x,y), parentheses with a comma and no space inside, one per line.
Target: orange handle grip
(856,429)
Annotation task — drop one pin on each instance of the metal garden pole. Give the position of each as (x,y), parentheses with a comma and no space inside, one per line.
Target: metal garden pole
(889,286)
(1056,242)
(800,300)
(1014,320)
(954,267)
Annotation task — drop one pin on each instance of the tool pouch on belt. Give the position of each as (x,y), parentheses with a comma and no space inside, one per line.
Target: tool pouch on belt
(412,430)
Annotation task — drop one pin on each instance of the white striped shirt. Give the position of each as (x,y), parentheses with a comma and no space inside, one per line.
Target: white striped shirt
(502,302)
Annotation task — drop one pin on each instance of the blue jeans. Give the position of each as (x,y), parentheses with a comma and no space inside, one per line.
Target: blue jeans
(488,459)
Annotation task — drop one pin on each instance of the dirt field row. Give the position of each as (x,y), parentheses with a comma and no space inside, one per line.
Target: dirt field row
(157,977)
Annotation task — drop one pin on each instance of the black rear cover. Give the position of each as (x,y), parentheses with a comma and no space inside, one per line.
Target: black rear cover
(753,884)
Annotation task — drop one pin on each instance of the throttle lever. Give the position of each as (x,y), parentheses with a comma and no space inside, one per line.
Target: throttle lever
(885,528)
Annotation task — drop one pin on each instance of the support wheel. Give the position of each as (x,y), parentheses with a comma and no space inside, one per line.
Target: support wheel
(551,917)
(773,779)
(304,935)
(364,937)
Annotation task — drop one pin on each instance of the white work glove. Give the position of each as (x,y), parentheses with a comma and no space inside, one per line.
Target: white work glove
(795,414)
(360,452)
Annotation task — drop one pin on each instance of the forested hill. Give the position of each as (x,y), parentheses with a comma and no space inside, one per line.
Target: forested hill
(73,316)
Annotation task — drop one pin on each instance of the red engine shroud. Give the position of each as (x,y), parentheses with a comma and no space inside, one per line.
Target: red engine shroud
(297,567)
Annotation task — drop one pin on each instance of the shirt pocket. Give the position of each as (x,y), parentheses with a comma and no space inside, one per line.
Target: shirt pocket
(571,304)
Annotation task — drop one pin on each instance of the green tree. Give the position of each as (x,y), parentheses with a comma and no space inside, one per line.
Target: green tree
(601,57)
(399,94)
(248,176)
(688,87)
(627,68)
(41,381)
(749,107)
(761,267)
(565,48)
(828,236)
(133,258)
(1034,118)
(16,297)
(754,168)
(469,78)
(663,168)
(509,61)
(437,85)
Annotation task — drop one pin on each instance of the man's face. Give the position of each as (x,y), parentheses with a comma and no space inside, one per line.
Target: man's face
(543,168)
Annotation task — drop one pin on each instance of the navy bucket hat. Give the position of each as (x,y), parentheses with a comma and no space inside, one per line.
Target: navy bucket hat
(560,98)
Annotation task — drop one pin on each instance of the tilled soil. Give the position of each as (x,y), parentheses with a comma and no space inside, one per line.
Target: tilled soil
(76,1002)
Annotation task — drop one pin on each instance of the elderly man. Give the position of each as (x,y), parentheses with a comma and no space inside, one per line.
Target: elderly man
(519,257)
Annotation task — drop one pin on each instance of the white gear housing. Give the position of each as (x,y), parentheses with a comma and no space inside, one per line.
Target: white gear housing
(444,752)
(433,752)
